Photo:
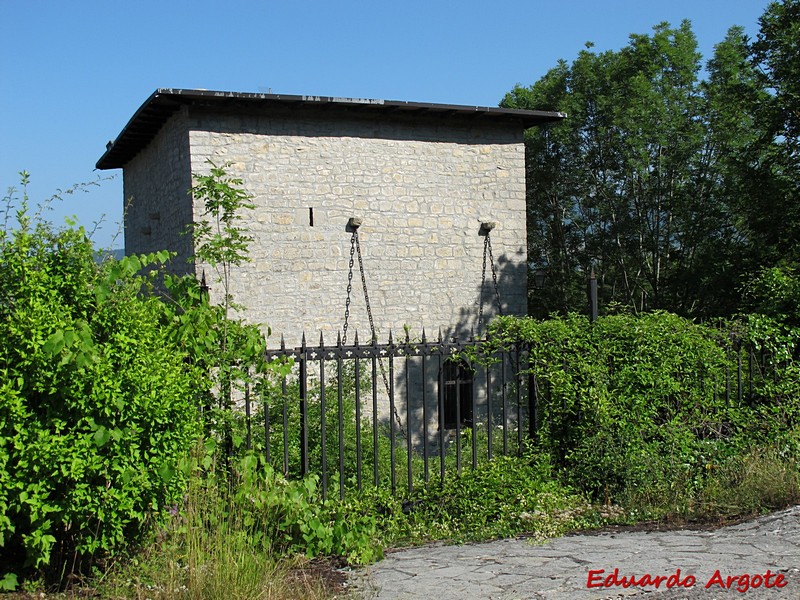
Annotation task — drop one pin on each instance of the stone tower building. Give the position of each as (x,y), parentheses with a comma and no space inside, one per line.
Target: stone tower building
(421,177)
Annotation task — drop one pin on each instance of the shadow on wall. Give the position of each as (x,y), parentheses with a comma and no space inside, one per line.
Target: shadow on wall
(436,398)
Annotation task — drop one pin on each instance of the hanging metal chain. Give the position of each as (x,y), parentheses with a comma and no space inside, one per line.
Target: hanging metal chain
(355,250)
(488,245)
(487,252)
(366,294)
(350,285)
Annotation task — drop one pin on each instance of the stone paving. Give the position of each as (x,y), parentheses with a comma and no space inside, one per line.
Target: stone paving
(766,550)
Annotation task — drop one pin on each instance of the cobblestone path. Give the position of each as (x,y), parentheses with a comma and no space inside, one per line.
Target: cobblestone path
(765,550)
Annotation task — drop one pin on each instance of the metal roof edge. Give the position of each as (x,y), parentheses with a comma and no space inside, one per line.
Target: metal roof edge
(163,102)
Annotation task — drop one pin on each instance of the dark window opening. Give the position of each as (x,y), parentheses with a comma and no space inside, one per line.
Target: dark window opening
(456,391)
(310,216)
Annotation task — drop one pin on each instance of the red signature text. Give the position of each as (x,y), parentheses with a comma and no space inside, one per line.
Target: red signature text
(746,581)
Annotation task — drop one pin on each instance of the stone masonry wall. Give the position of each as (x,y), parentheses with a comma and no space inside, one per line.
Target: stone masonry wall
(422,191)
(157,203)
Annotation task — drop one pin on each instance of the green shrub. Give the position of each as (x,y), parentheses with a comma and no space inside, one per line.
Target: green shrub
(97,407)
(638,406)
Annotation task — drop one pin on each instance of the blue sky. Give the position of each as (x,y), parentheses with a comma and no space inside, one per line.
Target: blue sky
(73,73)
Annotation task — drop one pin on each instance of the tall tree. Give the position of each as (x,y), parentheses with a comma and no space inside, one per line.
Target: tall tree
(775,218)
(650,177)
(777,51)
(732,173)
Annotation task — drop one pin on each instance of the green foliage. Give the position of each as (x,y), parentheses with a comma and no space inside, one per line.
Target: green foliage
(248,498)
(674,188)
(229,351)
(505,496)
(680,192)
(613,184)
(775,49)
(508,496)
(9,582)
(96,404)
(641,406)
(222,241)
(775,293)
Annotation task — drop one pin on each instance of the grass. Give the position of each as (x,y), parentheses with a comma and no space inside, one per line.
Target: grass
(207,555)
(755,481)
(158,574)
(760,480)
(226,568)
(209,548)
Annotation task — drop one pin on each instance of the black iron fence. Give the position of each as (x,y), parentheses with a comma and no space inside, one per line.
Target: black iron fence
(403,413)
(395,415)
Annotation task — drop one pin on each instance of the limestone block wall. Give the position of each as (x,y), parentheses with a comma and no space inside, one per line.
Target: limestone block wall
(156,185)
(422,190)
(421,187)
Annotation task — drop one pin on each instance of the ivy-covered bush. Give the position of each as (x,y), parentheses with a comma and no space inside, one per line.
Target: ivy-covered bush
(642,404)
(97,408)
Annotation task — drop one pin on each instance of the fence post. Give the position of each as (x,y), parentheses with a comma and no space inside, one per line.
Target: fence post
(440,400)
(392,413)
(359,465)
(375,447)
(340,409)
(248,434)
(533,402)
(592,296)
(518,378)
(323,442)
(303,409)
(285,417)
(489,419)
(424,411)
(409,433)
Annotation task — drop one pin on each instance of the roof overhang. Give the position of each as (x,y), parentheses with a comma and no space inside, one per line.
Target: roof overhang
(163,103)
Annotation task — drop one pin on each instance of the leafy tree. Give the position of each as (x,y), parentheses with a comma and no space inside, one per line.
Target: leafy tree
(228,350)
(774,215)
(668,185)
(554,174)
(222,243)
(733,173)
(776,52)
(220,240)
(775,293)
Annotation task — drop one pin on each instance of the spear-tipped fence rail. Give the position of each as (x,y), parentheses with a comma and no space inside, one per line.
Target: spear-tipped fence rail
(436,398)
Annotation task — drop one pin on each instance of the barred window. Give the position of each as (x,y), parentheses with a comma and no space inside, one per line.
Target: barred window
(456,394)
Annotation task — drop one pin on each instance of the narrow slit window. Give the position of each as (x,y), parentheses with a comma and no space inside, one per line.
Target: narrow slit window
(310,216)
